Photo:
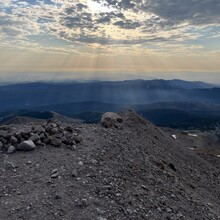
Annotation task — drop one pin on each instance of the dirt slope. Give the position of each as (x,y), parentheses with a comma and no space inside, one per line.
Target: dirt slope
(136,171)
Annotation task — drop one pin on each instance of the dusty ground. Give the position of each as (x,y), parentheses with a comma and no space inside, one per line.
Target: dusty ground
(136,171)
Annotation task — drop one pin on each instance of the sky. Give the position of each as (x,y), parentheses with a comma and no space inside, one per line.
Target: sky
(109,39)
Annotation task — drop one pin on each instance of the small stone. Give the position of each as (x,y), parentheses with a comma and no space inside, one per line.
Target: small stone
(54,130)
(74,173)
(34,137)
(11,150)
(174,136)
(71,147)
(80,163)
(63,139)
(58,196)
(129,211)
(68,128)
(13,140)
(56,142)
(53,125)
(1,145)
(42,136)
(82,203)
(55,175)
(54,171)
(77,139)
(100,211)
(28,208)
(39,143)
(144,187)
(47,140)
(26,146)
(39,129)
(29,162)
(168,210)
(172,167)
(159,209)
(101,218)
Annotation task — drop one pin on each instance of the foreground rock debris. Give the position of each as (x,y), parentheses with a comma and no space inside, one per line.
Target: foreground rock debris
(126,170)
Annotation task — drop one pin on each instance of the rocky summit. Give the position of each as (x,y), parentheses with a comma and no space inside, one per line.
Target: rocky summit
(124,168)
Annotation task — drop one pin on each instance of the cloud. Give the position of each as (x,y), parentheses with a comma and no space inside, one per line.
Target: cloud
(195,12)
(110,22)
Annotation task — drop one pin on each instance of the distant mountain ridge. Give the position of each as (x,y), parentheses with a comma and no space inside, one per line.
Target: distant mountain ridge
(132,92)
(172,103)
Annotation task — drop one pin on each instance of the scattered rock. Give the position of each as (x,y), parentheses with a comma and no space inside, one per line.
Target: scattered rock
(77,139)
(68,128)
(1,145)
(26,146)
(74,173)
(56,142)
(58,196)
(54,173)
(34,137)
(39,129)
(11,150)
(172,167)
(13,140)
(71,147)
(101,218)
(54,130)
(174,136)
(80,163)
(111,119)
(82,203)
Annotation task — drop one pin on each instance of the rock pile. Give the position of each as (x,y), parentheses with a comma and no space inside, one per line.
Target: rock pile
(27,139)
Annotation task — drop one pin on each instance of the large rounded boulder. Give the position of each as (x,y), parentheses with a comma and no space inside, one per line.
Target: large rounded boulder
(111,120)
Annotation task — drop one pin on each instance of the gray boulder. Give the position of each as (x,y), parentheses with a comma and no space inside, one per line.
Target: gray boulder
(111,119)
(77,139)
(13,140)
(56,142)
(26,146)
(39,129)
(11,149)
(34,137)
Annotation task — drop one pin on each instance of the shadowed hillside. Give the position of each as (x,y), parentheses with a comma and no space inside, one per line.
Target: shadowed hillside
(129,169)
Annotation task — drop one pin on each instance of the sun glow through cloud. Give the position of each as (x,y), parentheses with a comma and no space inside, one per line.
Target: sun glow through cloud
(96,7)
(111,36)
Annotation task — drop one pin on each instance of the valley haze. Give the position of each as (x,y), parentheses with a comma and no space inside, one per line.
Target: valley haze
(171,103)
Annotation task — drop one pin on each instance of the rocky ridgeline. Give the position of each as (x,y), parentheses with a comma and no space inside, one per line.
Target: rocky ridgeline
(124,169)
(45,134)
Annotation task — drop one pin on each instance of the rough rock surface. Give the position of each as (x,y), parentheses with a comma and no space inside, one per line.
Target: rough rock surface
(135,172)
(111,119)
(26,146)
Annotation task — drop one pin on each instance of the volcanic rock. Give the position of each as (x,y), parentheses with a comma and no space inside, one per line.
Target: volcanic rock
(56,142)
(34,137)
(1,145)
(11,149)
(26,146)
(13,140)
(111,119)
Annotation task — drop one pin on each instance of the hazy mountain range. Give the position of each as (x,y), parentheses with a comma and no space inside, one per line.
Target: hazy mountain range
(172,103)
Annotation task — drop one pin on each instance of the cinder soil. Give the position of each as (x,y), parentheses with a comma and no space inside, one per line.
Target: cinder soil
(132,172)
